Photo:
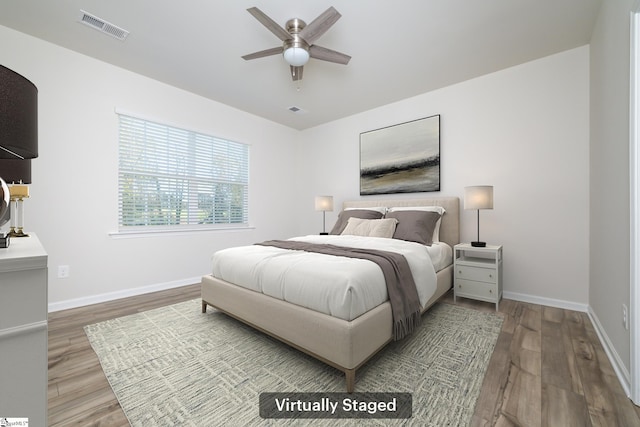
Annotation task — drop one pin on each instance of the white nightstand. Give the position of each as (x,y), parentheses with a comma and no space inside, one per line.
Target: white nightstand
(477,273)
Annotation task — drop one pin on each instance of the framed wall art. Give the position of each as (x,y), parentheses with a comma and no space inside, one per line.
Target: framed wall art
(403,158)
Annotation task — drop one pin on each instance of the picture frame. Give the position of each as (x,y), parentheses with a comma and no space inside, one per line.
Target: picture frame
(402,158)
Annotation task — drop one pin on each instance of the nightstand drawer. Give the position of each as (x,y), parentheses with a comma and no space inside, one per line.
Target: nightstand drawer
(480,290)
(476,273)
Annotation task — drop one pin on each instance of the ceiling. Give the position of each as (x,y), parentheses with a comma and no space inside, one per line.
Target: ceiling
(399,49)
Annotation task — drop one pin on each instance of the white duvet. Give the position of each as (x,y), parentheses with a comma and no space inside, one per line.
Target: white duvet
(339,286)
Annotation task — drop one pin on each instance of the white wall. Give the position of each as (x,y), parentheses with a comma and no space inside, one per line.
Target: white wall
(609,210)
(74,200)
(523,130)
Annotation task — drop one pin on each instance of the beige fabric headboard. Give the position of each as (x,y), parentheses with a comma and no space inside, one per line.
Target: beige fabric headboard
(450,225)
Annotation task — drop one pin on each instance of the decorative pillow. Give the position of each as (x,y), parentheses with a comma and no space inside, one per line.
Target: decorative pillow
(344,216)
(439,209)
(415,226)
(371,227)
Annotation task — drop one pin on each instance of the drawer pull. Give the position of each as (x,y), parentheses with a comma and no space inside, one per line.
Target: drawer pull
(490,291)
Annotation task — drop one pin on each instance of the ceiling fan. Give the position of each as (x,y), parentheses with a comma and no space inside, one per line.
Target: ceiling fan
(298,40)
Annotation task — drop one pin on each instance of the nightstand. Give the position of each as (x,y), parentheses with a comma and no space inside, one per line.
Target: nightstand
(477,273)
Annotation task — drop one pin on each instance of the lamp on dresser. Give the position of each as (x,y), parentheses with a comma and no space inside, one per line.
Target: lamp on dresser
(478,197)
(18,131)
(324,204)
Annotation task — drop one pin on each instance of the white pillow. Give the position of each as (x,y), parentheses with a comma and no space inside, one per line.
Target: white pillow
(370,227)
(439,209)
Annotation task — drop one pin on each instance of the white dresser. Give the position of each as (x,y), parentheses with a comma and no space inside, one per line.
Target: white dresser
(23,331)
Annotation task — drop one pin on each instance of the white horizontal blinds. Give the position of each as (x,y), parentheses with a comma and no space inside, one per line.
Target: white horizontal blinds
(170,177)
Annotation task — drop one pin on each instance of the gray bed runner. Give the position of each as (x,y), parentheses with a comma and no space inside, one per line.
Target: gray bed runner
(403,295)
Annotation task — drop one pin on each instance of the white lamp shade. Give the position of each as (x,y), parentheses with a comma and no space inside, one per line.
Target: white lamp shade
(324,203)
(296,56)
(478,197)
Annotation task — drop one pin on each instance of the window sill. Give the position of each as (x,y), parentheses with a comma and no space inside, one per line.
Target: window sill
(137,234)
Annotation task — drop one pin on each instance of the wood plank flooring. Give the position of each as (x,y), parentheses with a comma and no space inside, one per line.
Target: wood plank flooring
(79,393)
(548,368)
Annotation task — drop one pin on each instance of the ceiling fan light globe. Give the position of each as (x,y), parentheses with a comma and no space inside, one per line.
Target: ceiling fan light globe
(296,56)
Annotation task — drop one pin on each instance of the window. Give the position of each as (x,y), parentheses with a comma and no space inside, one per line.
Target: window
(171,178)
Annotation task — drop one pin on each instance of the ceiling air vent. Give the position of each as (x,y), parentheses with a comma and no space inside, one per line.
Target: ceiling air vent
(102,26)
(296,110)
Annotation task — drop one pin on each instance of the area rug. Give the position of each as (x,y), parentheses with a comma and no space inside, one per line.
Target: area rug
(175,366)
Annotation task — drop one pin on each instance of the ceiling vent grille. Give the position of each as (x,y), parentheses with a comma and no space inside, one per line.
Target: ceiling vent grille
(296,110)
(103,26)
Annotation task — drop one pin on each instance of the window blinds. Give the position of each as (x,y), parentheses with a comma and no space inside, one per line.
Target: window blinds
(171,177)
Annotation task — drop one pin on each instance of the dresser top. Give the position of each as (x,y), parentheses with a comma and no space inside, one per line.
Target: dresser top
(23,253)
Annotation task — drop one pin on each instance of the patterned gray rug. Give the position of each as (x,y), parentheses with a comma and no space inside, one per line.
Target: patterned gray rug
(176,366)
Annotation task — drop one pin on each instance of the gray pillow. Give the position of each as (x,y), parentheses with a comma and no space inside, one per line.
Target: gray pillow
(415,226)
(344,216)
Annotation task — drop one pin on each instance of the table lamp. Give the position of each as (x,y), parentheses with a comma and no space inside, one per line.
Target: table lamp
(478,197)
(324,204)
(18,131)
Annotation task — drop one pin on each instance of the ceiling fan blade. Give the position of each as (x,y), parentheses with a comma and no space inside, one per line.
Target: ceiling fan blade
(296,73)
(271,25)
(320,25)
(325,54)
(263,53)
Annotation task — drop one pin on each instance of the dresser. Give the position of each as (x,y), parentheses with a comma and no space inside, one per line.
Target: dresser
(23,331)
(477,273)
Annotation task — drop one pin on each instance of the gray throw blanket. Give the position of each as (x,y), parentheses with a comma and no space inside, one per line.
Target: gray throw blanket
(403,295)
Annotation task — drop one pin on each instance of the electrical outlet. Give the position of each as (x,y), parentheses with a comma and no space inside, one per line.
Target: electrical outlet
(625,317)
(63,271)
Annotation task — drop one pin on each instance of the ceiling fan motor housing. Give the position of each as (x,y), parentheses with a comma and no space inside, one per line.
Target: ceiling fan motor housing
(295,25)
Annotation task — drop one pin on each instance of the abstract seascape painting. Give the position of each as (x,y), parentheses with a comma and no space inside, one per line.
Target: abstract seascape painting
(403,158)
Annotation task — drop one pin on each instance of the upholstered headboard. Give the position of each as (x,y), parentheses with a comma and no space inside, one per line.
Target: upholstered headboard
(450,225)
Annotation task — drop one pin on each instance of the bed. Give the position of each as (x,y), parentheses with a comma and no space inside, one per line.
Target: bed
(344,343)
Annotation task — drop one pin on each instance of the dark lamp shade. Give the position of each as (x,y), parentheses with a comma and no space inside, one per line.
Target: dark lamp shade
(18,116)
(15,171)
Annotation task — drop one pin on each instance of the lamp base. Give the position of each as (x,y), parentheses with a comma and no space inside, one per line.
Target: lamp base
(324,233)
(479,244)
(4,240)
(18,233)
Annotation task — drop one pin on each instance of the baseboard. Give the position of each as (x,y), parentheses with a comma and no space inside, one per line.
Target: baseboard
(550,302)
(110,296)
(621,371)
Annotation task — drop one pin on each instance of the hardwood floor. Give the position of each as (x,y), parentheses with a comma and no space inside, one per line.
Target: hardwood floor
(79,394)
(548,368)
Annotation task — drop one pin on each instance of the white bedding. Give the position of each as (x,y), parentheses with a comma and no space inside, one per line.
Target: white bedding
(339,286)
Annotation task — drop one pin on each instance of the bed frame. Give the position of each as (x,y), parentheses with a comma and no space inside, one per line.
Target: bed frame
(345,345)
